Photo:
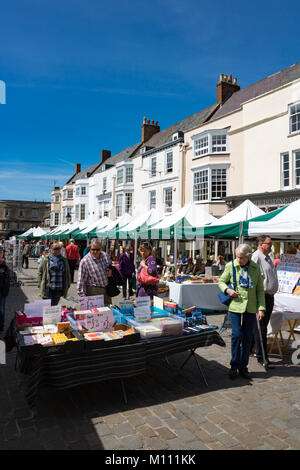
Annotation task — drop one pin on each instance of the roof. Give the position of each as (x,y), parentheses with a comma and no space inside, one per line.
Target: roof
(265,85)
(118,157)
(165,136)
(83,174)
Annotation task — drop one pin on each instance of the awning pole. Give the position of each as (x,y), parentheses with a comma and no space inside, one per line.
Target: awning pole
(175,251)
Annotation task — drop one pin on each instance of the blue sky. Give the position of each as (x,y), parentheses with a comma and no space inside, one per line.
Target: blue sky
(80,75)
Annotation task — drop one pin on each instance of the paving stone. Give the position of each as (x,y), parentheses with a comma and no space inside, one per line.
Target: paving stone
(110,442)
(153,421)
(227,440)
(185,435)
(102,429)
(132,442)
(136,420)
(165,433)
(116,418)
(156,444)
(146,431)
(122,430)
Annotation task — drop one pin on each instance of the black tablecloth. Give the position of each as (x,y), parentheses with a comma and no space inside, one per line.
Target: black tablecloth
(62,371)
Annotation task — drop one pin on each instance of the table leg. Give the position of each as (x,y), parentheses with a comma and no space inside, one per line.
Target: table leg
(124,391)
(192,354)
(276,341)
(291,335)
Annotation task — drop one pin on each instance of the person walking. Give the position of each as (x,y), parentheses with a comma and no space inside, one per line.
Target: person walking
(247,300)
(127,269)
(270,283)
(25,257)
(72,251)
(4,287)
(54,275)
(148,263)
(93,272)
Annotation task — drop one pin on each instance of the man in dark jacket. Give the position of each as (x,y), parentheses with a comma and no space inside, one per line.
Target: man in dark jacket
(4,287)
(127,269)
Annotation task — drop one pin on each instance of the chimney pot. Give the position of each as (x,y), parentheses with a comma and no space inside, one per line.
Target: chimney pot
(225,78)
(221,77)
(152,122)
(235,81)
(230,78)
(144,120)
(156,123)
(149,128)
(148,121)
(226,88)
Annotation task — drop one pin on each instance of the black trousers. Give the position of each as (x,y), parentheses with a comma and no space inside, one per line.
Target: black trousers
(72,266)
(129,280)
(269,299)
(25,260)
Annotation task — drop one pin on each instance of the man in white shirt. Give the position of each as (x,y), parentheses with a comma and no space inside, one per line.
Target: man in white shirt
(270,280)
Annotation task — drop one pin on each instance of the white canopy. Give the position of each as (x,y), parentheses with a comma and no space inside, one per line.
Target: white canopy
(245,211)
(120,222)
(101,223)
(285,225)
(38,232)
(153,216)
(182,222)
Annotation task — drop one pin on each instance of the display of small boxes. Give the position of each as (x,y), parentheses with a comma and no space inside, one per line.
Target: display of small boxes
(170,306)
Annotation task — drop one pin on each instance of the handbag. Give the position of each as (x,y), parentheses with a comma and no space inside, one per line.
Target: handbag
(147,279)
(226,298)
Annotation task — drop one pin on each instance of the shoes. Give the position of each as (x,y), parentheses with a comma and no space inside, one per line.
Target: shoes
(233,373)
(245,374)
(269,364)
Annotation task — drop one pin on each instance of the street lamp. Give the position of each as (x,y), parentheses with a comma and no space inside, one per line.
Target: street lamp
(68,217)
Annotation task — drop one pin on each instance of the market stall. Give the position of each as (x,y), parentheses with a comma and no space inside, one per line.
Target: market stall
(201,295)
(64,348)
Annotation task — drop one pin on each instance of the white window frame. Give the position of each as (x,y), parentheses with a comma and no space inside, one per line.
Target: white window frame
(152,167)
(168,168)
(120,176)
(209,169)
(104,184)
(129,174)
(77,190)
(203,143)
(35,214)
(57,199)
(119,205)
(77,212)
(82,212)
(295,152)
(65,194)
(56,218)
(128,203)
(168,208)
(152,200)
(69,193)
(67,210)
(83,191)
(283,177)
(297,113)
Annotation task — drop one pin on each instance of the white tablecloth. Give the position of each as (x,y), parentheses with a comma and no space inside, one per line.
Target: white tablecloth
(288,306)
(200,295)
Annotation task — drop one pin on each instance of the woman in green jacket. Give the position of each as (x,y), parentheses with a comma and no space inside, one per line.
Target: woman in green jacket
(247,300)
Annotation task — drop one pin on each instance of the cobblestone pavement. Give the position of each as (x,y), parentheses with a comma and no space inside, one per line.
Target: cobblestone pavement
(164,411)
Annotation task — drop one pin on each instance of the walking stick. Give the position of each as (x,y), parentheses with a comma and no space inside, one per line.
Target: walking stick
(261,344)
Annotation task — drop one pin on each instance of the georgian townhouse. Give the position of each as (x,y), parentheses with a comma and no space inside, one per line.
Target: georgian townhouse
(249,148)
(111,185)
(158,166)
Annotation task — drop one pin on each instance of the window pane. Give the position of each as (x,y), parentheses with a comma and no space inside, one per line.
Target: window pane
(201,146)
(129,175)
(168,199)
(219,143)
(295,118)
(119,204)
(201,185)
(128,203)
(169,166)
(218,183)
(153,166)
(120,176)
(152,199)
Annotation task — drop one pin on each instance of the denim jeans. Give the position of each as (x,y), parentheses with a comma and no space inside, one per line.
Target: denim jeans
(2,312)
(241,338)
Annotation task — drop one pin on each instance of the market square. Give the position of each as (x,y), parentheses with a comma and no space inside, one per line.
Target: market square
(149,229)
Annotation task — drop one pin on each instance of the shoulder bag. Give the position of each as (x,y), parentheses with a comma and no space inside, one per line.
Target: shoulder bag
(226,298)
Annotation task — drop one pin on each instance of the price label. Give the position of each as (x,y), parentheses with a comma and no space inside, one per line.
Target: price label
(100,321)
(93,301)
(51,315)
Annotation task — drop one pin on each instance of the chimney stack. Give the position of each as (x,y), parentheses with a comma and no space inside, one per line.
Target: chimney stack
(105,154)
(225,87)
(77,168)
(148,130)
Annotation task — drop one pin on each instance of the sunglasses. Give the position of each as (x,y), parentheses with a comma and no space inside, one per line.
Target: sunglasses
(95,249)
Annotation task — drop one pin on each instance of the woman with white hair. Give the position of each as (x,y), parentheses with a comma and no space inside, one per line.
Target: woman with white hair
(247,300)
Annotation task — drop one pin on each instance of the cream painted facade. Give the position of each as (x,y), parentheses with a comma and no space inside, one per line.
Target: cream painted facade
(258,134)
